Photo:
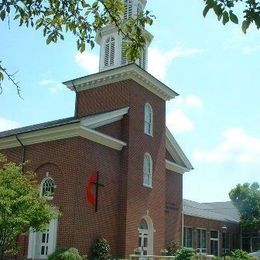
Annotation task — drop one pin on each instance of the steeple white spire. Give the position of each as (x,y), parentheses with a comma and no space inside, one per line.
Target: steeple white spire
(112,44)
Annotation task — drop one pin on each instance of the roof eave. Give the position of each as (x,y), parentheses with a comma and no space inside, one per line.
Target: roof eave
(131,71)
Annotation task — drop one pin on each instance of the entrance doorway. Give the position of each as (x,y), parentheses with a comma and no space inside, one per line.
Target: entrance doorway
(145,241)
(143,237)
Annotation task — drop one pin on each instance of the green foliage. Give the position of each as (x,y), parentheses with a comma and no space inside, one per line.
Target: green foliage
(224,10)
(172,248)
(100,249)
(65,254)
(184,254)
(20,206)
(239,254)
(246,199)
(82,18)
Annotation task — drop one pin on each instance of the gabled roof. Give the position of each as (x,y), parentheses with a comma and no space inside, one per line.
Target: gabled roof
(66,128)
(131,71)
(221,211)
(181,163)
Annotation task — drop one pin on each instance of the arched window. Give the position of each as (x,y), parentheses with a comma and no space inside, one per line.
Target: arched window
(128,9)
(47,187)
(148,119)
(143,224)
(147,170)
(109,51)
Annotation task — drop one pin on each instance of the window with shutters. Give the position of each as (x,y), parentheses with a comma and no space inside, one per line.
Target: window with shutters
(109,59)
(128,9)
(147,170)
(123,54)
(148,119)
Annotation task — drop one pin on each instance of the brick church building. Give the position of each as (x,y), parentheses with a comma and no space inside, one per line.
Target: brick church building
(118,131)
(113,169)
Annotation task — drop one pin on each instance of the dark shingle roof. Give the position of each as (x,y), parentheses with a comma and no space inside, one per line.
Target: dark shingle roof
(40,126)
(223,211)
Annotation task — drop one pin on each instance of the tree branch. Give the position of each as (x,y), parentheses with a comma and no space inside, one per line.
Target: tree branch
(12,79)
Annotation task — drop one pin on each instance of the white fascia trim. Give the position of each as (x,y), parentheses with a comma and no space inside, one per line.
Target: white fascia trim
(174,149)
(104,118)
(131,71)
(40,136)
(175,167)
(61,132)
(100,138)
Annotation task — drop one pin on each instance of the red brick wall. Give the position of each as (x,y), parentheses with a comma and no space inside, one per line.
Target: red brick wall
(124,201)
(135,199)
(213,225)
(173,207)
(70,162)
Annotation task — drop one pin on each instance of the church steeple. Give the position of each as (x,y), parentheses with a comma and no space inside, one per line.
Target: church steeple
(112,44)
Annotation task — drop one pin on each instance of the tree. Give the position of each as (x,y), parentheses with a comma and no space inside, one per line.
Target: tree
(246,199)
(20,206)
(83,18)
(224,9)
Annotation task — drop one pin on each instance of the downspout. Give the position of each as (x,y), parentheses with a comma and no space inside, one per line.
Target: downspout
(76,112)
(23,152)
(182,223)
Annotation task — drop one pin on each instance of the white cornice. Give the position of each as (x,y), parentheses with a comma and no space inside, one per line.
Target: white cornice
(174,167)
(104,118)
(100,138)
(131,71)
(176,152)
(40,136)
(83,127)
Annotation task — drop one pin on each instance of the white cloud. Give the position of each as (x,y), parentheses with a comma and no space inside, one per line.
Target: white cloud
(236,146)
(189,101)
(178,122)
(6,124)
(159,60)
(52,85)
(88,61)
(245,43)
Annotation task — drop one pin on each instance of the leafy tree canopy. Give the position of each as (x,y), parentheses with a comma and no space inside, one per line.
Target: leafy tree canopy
(228,10)
(20,206)
(83,18)
(246,199)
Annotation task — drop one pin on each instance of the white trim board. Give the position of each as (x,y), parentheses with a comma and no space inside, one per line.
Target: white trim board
(82,128)
(131,71)
(176,152)
(172,166)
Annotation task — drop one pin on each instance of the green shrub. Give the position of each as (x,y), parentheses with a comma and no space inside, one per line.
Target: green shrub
(100,249)
(65,254)
(239,255)
(172,248)
(184,254)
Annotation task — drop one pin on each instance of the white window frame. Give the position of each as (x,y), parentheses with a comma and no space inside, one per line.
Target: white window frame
(148,119)
(185,237)
(49,197)
(199,248)
(147,170)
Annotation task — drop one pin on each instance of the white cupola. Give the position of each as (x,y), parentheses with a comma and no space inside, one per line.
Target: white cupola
(112,43)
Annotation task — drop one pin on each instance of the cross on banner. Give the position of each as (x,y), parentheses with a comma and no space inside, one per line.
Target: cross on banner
(93,180)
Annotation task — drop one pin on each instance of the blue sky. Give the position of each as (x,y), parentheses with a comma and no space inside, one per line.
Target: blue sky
(214,68)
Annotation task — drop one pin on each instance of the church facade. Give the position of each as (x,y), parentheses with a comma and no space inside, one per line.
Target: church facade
(113,170)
